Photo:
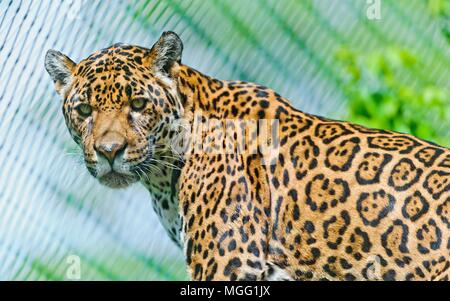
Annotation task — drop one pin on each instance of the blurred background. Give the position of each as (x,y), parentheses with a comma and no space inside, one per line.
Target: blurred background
(381,63)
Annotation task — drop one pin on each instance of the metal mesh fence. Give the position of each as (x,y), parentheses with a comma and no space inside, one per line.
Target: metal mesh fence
(51,209)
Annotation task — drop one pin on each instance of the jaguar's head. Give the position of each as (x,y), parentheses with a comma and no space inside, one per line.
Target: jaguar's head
(117,103)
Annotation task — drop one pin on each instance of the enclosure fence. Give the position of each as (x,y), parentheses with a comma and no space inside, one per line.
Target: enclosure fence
(54,215)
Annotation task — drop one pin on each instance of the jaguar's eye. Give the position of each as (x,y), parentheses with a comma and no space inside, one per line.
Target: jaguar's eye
(138,104)
(84,109)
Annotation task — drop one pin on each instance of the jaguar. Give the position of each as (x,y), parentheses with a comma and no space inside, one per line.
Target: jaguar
(250,187)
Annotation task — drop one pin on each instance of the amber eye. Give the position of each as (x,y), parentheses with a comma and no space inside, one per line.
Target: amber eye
(138,104)
(84,109)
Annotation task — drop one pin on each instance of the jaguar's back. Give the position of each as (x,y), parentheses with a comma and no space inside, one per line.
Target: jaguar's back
(356,203)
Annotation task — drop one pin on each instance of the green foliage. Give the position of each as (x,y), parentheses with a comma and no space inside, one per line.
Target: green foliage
(382,94)
(441,9)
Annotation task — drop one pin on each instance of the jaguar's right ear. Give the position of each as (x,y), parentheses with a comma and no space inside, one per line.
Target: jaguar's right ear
(61,68)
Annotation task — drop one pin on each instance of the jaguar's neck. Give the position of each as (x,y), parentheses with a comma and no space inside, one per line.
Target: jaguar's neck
(201,95)
(198,93)
(162,185)
(232,100)
(162,180)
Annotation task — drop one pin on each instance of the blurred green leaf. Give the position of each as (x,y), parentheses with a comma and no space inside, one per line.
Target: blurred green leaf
(381,97)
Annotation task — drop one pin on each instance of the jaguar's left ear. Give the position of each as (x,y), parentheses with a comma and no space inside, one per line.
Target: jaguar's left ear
(61,68)
(166,53)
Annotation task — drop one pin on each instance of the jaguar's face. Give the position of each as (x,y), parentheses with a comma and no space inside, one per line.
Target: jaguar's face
(116,103)
(113,116)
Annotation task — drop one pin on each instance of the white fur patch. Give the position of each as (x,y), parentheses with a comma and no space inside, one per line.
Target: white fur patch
(276,273)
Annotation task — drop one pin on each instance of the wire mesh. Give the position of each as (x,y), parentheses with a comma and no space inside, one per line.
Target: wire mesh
(51,209)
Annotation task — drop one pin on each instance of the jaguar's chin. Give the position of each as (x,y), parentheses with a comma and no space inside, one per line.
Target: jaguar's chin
(117,180)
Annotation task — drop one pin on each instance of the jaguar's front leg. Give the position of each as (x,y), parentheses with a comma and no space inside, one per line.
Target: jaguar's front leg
(218,252)
(224,235)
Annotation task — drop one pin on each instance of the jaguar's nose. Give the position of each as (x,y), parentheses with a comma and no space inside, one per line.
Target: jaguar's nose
(110,149)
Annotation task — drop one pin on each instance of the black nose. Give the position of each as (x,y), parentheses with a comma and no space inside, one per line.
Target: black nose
(110,150)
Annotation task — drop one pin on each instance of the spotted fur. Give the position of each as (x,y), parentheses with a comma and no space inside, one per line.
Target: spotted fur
(341,201)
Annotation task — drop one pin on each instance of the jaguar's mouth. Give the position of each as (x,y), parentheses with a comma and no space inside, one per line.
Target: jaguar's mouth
(115,179)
